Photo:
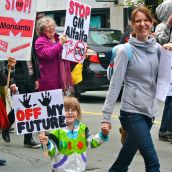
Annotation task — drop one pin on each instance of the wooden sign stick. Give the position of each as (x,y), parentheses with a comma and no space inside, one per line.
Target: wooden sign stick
(6,88)
(45,150)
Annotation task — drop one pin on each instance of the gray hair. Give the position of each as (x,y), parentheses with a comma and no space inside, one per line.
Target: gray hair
(42,23)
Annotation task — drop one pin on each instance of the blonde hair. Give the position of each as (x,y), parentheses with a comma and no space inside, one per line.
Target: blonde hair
(72,103)
(42,23)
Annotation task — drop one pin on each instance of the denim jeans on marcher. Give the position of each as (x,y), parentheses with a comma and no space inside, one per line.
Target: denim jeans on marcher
(166,123)
(138,137)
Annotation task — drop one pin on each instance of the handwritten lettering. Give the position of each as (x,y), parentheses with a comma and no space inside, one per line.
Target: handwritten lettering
(79,9)
(19,5)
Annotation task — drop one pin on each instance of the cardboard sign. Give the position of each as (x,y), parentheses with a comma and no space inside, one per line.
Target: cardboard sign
(164,75)
(17,28)
(76,28)
(39,111)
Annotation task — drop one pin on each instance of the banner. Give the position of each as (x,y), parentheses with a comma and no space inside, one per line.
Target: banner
(17,22)
(39,111)
(76,28)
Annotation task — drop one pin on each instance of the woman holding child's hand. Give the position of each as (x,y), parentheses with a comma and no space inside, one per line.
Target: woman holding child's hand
(138,103)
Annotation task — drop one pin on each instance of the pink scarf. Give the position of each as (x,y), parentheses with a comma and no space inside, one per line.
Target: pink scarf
(65,72)
(65,75)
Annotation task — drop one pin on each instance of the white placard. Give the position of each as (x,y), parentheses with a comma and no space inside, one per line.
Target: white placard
(76,28)
(17,22)
(164,75)
(170,88)
(39,111)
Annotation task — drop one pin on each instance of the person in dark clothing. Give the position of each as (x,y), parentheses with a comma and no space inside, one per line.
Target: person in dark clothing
(128,30)
(3,81)
(126,35)
(26,78)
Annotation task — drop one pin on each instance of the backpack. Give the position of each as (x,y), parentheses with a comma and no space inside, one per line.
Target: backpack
(113,55)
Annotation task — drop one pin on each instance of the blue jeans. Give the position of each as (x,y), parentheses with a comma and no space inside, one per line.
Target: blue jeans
(138,137)
(166,123)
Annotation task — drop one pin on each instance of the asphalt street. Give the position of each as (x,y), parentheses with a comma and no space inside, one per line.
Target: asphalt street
(21,159)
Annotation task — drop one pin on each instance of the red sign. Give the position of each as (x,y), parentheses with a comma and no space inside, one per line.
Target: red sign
(21,47)
(7,25)
(19,5)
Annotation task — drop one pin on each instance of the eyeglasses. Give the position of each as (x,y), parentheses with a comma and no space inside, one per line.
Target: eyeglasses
(70,110)
(49,26)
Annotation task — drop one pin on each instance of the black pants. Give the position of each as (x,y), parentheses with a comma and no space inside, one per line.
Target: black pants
(166,122)
(26,86)
(11,117)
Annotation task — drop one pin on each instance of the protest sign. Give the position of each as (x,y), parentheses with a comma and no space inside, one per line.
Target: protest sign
(16,28)
(170,88)
(76,28)
(39,111)
(164,75)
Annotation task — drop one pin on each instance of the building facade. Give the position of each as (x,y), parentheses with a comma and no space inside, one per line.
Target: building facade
(103,14)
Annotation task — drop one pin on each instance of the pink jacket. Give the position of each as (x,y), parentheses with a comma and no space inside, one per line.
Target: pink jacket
(51,65)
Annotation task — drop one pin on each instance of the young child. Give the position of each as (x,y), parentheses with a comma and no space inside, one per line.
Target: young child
(67,146)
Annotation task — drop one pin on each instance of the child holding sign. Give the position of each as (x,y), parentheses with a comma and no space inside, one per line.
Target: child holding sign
(67,146)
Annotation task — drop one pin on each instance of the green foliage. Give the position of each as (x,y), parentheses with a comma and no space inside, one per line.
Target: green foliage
(134,2)
(151,4)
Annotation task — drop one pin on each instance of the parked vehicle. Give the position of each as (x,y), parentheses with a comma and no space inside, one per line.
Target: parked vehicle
(100,41)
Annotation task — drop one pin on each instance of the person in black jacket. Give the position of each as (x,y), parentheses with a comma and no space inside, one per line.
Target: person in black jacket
(26,78)
(3,82)
(126,35)
(128,30)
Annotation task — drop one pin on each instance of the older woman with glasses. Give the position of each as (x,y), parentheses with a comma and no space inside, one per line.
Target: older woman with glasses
(138,104)
(54,71)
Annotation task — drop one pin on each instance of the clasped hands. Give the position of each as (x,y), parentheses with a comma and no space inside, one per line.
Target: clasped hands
(105,128)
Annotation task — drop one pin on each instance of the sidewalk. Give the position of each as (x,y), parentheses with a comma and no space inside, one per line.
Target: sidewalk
(24,159)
